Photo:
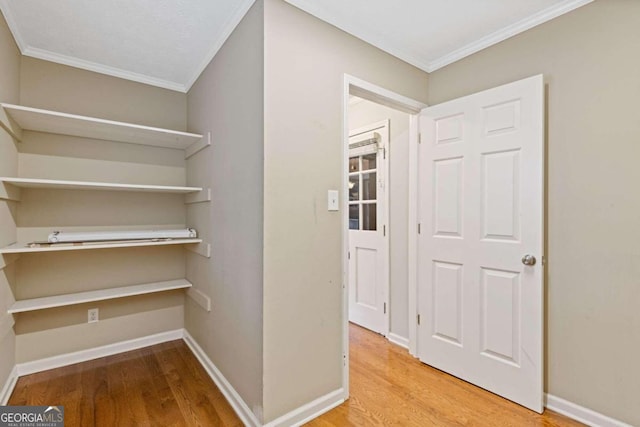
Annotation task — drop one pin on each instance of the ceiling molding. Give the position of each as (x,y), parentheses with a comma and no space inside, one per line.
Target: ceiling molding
(47,55)
(11,22)
(231,25)
(102,69)
(310,6)
(507,32)
(313,7)
(79,63)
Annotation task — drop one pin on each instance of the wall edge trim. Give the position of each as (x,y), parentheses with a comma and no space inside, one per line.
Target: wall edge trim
(398,340)
(40,365)
(9,385)
(233,397)
(580,413)
(309,411)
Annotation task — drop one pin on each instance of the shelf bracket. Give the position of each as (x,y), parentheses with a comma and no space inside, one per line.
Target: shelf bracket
(7,259)
(201,196)
(200,298)
(198,146)
(9,192)
(202,249)
(12,128)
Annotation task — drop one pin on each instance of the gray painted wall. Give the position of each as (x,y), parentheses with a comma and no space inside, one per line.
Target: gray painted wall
(227,100)
(305,63)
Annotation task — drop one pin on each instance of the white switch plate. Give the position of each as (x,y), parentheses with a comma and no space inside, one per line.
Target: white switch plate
(332,200)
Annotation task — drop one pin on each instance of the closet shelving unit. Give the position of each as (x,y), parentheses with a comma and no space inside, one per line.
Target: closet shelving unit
(18,118)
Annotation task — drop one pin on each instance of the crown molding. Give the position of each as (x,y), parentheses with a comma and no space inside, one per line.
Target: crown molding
(102,69)
(47,55)
(308,6)
(231,25)
(507,32)
(313,7)
(13,26)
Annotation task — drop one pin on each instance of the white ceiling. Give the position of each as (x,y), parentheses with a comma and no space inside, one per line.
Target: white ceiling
(164,43)
(433,33)
(167,43)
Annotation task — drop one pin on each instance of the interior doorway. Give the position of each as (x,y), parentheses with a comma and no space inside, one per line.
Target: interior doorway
(369,281)
(378,129)
(475,184)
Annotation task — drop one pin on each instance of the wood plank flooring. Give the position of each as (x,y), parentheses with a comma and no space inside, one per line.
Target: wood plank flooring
(164,385)
(388,387)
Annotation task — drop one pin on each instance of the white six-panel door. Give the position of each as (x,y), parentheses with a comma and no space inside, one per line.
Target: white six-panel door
(481,200)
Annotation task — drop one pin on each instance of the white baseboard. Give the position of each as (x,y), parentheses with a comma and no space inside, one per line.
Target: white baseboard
(232,396)
(311,410)
(398,340)
(580,413)
(9,385)
(295,418)
(94,353)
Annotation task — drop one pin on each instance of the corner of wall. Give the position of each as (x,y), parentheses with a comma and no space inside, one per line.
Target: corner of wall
(227,102)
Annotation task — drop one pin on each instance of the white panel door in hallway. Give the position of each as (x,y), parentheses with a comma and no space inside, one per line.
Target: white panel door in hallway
(368,242)
(480,247)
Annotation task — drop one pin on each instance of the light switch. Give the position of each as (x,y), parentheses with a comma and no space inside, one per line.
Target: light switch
(332,200)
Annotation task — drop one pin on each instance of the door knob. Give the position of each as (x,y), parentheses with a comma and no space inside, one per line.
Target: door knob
(528,260)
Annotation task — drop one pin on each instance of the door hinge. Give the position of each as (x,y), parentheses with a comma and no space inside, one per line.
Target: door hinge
(418,228)
(385,308)
(418,318)
(344,360)
(349,255)
(384,230)
(419,138)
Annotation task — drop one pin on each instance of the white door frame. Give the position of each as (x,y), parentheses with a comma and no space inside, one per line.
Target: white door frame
(380,95)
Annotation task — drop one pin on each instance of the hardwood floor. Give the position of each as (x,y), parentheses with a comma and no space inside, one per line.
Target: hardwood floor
(389,387)
(165,385)
(162,385)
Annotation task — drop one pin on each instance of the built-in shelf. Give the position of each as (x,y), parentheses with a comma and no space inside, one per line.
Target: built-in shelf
(24,248)
(36,119)
(88,185)
(100,295)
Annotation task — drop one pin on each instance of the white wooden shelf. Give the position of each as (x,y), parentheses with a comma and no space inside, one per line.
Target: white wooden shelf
(24,248)
(88,185)
(36,119)
(100,295)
